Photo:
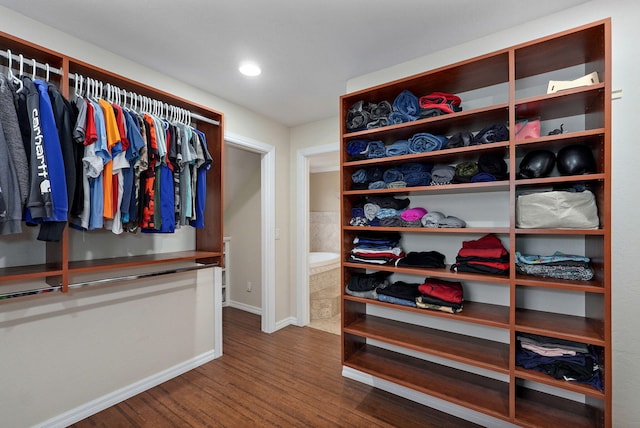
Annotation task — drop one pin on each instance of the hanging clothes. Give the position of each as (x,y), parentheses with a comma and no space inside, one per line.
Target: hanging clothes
(95,164)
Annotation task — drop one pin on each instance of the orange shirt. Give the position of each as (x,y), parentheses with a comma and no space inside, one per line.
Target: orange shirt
(113,138)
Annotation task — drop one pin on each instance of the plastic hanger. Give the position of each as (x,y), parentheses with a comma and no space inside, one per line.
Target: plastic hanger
(76,83)
(35,67)
(10,74)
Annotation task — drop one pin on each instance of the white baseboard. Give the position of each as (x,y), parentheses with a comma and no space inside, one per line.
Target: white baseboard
(244,307)
(427,400)
(92,407)
(286,322)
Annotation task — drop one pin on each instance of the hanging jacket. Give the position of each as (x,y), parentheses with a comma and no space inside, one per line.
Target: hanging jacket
(13,138)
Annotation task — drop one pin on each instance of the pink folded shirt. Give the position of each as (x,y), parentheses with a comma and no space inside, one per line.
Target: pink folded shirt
(413,214)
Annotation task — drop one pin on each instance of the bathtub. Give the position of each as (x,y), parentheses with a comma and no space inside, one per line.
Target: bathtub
(323,261)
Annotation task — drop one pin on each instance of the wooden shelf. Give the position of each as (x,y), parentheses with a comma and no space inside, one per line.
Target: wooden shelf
(569,327)
(445,273)
(445,230)
(520,71)
(470,350)
(596,232)
(18,273)
(540,410)
(558,141)
(560,179)
(445,189)
(473,312)
(591,286)
(135,261)
(476,392)
(580,388)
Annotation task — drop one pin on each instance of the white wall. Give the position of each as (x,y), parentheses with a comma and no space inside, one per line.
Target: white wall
(65,351)
(324,192)
(625,16)
(320,133)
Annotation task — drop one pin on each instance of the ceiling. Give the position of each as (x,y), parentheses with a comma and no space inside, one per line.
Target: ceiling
(307,49)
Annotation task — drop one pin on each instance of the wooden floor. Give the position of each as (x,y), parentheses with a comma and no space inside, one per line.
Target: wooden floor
(291,378)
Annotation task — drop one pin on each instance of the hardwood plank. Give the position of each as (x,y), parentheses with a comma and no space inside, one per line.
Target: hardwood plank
(290,378)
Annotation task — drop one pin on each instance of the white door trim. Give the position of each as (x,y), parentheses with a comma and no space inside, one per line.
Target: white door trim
(268,223)
(302,227)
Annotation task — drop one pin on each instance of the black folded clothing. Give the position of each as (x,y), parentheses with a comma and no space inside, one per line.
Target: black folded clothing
(401,290)
(426,259)
(367,281)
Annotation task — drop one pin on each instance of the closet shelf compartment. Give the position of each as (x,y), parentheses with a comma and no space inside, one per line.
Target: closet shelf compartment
(470,390)
(483,71)
(567,49)
(579,388)
(539,410)
(473,312)
(562,104)
(569,327)
(465,349)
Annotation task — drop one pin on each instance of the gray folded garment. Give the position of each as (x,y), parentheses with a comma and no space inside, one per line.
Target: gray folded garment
(370,211)
(451,221)
(442,174)
(431,219)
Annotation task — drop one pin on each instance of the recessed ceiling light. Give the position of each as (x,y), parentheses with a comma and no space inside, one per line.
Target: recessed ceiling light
(250,69)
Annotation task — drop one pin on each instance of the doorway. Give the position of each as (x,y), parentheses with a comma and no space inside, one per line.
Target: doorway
(319,158)
(266,238)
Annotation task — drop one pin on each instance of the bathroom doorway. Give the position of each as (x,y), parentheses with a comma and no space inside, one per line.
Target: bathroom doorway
(318,232)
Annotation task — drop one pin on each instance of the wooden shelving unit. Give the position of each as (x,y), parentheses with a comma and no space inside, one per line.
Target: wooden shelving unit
(427,351)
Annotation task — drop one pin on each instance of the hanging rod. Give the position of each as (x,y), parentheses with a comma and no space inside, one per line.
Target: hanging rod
(72,76)
(30,62)
(43,290)
(139,276)
(54,288)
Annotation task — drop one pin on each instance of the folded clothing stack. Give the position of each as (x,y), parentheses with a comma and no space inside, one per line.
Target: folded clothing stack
(399,293)
(406,107)
(362,115)
(557,265)
(437,219)
(365,284)
(486,255)
(438,103)
(561,359)
(379,248)
(440,295)
(422,259)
